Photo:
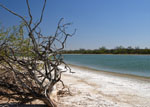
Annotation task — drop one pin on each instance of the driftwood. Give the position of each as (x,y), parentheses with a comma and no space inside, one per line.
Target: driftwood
(31,74)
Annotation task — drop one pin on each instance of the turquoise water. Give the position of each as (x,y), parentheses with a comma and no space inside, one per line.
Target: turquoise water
(126,64)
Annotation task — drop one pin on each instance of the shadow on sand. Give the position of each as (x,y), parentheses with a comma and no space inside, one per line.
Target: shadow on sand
(23,105)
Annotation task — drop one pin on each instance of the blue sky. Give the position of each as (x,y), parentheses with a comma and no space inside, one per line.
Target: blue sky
(108,23)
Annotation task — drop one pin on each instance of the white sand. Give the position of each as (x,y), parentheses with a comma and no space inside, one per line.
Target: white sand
(91,88)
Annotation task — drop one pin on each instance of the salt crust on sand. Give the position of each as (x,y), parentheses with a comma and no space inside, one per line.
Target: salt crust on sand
(91,88)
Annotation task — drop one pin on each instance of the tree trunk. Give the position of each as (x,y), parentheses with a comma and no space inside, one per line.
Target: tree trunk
(49,102)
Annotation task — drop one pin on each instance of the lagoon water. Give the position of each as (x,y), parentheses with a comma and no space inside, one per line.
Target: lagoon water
(126,64)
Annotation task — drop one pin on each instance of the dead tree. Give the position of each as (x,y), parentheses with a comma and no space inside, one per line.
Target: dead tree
(31,73)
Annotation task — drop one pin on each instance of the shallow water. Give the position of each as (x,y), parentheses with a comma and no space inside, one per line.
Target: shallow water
(126,64)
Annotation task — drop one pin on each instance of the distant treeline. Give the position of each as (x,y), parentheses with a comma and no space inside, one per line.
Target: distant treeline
(103,50)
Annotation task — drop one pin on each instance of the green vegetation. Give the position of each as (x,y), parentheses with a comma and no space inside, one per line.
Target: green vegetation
(31,60)
(103,50)
(15,37)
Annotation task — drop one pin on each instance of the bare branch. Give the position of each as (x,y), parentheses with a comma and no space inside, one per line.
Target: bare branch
(41,16)
(29,12)
(13,13)
(32,64)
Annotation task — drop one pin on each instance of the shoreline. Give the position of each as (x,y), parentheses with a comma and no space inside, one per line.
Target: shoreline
(121,64)
(92,88)
(95,88)
(110,73)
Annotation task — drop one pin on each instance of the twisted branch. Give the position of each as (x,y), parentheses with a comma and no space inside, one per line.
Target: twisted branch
(32,68)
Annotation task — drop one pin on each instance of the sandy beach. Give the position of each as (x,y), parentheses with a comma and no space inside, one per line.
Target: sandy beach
(92,88)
